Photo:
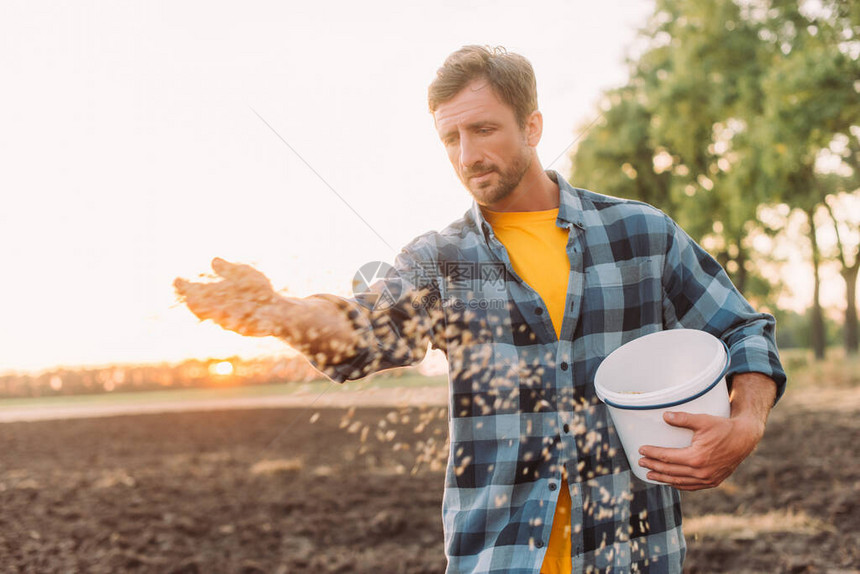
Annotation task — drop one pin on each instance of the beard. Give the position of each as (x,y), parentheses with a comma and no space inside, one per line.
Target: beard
(489,192)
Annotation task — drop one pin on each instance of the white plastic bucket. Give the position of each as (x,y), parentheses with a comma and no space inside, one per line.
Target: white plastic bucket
(675,370)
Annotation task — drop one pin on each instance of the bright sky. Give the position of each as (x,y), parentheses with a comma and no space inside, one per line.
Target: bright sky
(131,152)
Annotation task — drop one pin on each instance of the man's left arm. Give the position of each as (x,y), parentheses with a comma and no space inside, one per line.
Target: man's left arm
(719,444)
(699,295)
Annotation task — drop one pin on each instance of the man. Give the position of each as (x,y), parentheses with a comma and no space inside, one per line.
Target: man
(527,294)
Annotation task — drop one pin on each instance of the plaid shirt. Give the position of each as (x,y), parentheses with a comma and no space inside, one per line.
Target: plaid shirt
(522,403)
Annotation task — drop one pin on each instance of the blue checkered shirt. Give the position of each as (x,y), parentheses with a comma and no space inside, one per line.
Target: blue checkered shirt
(522,405)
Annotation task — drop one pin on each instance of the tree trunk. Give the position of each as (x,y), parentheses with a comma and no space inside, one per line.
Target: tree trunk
(849,274)
(850,327)
(817,316)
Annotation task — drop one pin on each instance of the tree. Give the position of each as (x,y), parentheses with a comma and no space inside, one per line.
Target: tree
(847,229)
(811,100)
(618,154)
(736,103)
(686,107)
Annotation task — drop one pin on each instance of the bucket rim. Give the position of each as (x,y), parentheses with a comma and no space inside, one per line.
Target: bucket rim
(669,404)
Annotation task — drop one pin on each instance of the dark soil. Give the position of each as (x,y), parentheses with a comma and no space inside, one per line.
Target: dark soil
(179,493)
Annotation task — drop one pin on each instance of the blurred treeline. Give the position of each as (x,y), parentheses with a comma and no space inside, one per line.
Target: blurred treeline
(192,373)
(189,374)
(741,120)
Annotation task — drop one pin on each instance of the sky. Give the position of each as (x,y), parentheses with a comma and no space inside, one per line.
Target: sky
(141,139)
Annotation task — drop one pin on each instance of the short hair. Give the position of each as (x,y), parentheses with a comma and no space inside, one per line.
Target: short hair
(510,75)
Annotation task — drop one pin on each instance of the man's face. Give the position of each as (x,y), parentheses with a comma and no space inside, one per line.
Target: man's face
(487,147)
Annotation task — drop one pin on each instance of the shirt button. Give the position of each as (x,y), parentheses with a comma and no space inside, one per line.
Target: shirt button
(563,366)
(552,486)
(539,543)
(538,311)
(566,428)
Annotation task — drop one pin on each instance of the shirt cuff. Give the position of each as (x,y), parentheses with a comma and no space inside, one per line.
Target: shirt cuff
(752,358)
(354,367)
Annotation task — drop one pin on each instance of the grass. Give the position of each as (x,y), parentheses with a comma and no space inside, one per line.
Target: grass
(836,370)
(804,374)
(277,466)
(750,526)
(223,393)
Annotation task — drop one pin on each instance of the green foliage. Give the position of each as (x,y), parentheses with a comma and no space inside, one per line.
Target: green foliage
(618,155)
(810,99)
(792,330)
(729,108)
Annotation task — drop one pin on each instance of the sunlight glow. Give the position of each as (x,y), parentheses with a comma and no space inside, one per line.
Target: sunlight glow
(223,368)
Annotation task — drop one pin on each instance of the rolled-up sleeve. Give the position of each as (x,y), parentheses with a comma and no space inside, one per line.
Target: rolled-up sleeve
(698,294)
(395,320)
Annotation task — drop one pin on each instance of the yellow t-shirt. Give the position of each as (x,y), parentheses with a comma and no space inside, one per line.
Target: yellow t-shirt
(537,248)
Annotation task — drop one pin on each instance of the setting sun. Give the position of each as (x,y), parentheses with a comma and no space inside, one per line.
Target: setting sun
(222,368)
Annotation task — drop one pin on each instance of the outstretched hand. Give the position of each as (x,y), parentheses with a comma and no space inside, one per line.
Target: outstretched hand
(243,300)
(719,444)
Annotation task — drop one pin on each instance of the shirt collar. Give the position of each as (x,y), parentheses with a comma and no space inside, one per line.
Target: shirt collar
(570,206)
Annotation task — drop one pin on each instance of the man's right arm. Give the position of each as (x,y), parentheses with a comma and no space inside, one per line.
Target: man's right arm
(344,338)
(383,337)
(243,301)
(318,327)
